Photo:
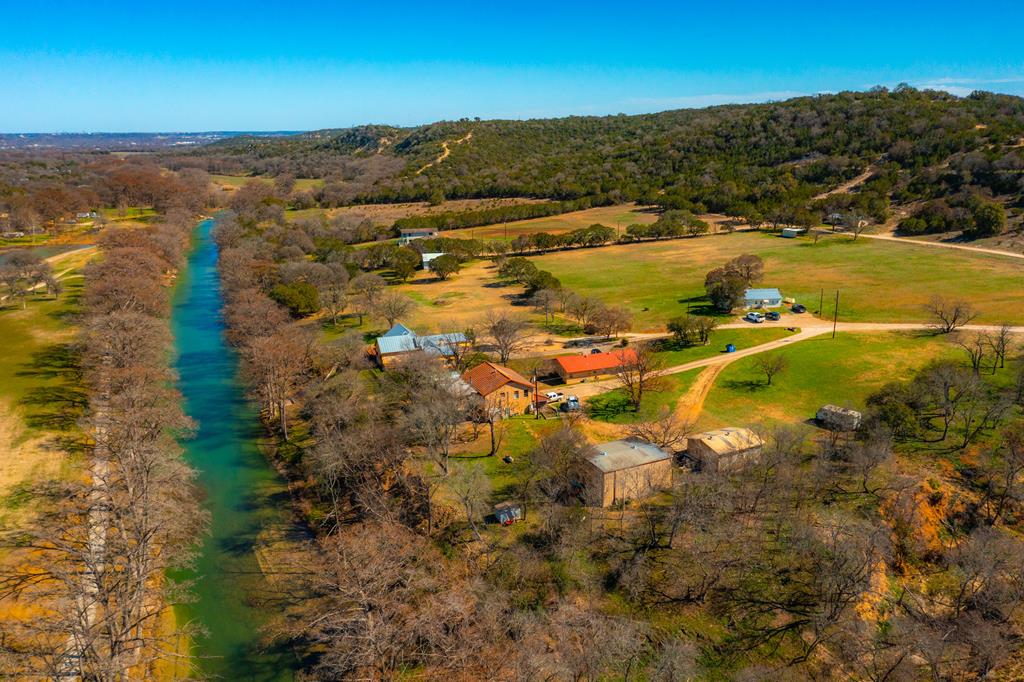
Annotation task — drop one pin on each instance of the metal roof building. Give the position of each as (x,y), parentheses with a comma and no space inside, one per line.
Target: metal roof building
(628,469)
(762,298)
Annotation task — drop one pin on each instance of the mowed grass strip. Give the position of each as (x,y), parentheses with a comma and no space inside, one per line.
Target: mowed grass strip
(619,216)
(843,371)
(879,281)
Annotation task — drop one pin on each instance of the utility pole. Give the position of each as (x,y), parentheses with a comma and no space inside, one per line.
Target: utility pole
(536,397)
(821,302)
(835,316)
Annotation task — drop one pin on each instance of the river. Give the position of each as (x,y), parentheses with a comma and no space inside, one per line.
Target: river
(246,497)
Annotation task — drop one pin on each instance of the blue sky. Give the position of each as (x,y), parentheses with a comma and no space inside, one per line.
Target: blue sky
(220,65)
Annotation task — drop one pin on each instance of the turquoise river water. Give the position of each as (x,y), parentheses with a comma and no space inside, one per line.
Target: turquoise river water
(244,494)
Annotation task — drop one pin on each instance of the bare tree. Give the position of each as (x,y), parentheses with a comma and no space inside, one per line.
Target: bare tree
(611,321)
(472,488)
(668,431)
(274,365)
(545,301)
(638,373)
(771,365)
(366,289)
(950,314)
(508,332)
(391,306)
(976,346)
(1000,342)
(334,291)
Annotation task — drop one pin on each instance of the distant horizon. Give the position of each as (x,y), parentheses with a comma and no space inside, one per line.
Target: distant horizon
(130,67)
(298,131)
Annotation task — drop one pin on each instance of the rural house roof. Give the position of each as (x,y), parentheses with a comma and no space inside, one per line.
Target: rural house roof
(728,440)
(617,455)
(399,330)
(572,364)
(762,294)
(487,377)
(401,339)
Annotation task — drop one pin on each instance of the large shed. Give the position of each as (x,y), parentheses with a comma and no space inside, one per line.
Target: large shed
(626,470)
(726,448)
(838,418)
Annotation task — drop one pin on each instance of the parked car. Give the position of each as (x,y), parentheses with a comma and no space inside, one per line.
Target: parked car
(797,308)
(571,404)
(595,351)
(774,316)
(554,395)
(756,318)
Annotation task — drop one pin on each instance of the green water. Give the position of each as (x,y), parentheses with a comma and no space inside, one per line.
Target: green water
(244,494)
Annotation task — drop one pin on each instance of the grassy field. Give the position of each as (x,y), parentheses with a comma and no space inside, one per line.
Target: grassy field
(386,214)
(879,281)
(613,407)
(843,371)
(619,216)
(41,399)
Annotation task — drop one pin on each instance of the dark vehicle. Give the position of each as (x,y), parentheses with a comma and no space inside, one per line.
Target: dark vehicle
(571,404)
(595,351)
(797,308)
(773,316)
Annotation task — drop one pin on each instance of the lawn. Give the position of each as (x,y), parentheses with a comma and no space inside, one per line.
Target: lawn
(741,338)
(842,371)
(614,408)
(619,216)
(41,399)
(879,281)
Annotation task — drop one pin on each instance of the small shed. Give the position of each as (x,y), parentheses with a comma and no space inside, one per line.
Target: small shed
(792,232)
(626,470)
(507,513)
(427,257)
(726,448)
(837,418)
(762,298)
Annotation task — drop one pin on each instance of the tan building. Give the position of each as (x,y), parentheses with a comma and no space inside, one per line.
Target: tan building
(625,470)
(726,448)
(504,389)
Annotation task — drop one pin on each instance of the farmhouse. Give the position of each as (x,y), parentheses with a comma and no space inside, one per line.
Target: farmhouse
(838,418)
(407,234)
(726,448)
(625,470)
(400,341)
(762,298)
(505,390)
(579,367)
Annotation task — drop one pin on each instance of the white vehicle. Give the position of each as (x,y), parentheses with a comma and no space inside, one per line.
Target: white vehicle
(554,395)
(756,318)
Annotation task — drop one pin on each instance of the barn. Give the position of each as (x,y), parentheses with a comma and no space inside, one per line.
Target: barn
(624,470)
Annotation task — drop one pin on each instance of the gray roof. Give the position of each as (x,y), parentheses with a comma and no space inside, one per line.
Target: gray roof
(399,330)
(761,294)
(625,454)
(401,339)
(396,344)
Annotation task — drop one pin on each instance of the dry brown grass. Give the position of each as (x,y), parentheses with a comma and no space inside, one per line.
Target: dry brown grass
(385,214)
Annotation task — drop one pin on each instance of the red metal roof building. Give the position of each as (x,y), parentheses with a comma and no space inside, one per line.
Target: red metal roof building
(577,367)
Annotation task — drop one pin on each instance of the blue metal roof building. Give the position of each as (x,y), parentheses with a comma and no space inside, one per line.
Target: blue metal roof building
(400,340)
(762,298)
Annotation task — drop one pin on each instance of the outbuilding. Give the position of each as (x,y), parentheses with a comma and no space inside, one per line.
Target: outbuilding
(407,234)
(721,449)
(624,470)
(762,298)
(579,367)
(792,232)
(837,418)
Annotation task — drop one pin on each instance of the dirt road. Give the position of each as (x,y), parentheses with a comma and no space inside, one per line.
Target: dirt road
(942,245)
(446,150)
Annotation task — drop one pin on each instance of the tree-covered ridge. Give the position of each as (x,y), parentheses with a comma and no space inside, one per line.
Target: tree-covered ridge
(728,158)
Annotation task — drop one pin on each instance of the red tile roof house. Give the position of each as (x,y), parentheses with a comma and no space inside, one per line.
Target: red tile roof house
(504,389)
(580,367)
